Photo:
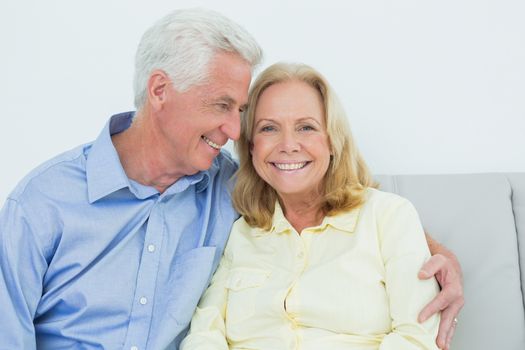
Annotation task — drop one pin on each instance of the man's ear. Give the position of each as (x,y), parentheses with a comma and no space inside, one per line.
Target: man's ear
(158,85)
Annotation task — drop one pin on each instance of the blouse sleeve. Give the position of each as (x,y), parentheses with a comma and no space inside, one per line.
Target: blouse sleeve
(207,330)
(404,250)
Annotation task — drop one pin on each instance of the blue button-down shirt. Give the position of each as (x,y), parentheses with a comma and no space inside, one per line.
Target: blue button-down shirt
(90,259)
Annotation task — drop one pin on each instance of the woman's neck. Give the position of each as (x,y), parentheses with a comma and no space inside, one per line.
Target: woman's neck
(302,213)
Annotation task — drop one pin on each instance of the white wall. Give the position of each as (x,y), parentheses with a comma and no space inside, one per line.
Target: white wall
(429,86)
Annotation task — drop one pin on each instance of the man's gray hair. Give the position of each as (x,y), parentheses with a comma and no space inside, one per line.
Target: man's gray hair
(182,45)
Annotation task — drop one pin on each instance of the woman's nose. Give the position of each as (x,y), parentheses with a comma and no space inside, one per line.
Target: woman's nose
(289,143)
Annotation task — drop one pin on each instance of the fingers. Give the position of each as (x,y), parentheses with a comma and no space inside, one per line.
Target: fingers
(449,298)
(449,301)
(447,326)
(433,265)
(437,304)
(451,334)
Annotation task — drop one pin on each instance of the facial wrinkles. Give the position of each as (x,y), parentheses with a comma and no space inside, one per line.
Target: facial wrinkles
(289,161)
(230,82)
(220,110)
(223,94)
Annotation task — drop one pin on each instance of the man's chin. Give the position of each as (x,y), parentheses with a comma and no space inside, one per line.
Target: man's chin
(205,165)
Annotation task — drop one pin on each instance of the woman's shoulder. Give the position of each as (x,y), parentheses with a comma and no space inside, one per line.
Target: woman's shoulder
(240,225)
(374,195)
(384,201)
(242,231)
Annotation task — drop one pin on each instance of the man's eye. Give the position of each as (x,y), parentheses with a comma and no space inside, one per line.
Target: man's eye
(223,107)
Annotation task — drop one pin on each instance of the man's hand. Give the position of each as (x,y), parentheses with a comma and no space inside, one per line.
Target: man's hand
(445,267)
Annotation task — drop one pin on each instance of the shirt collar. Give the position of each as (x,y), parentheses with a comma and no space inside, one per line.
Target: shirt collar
(200,180)
(104,172)
(106,175)
(345,222)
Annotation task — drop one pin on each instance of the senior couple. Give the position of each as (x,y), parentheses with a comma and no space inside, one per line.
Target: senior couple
(111,245)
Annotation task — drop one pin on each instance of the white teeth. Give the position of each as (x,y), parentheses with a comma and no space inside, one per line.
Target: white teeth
(211,143)
(290,166)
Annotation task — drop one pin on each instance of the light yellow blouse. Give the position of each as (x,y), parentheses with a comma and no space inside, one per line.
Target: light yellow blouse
(349,283)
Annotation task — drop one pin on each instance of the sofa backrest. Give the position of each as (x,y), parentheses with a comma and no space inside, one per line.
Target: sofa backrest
(517,183)
(481,218)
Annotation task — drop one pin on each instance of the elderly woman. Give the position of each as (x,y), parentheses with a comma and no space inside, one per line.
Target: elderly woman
(320,258)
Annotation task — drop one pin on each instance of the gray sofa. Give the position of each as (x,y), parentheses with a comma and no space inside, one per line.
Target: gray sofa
(481,217)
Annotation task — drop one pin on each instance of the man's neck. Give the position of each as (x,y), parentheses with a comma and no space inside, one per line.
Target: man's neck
(142,157)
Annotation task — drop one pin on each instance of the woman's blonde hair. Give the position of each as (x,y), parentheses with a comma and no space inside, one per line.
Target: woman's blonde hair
(347,176)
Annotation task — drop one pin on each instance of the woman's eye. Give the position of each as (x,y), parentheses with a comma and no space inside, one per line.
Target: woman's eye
(306,128)
(267,128)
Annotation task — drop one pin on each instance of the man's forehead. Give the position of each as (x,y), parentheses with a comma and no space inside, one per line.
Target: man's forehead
(230,67)
(233,92)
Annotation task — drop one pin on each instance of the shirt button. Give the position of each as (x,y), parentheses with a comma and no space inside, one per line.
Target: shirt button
(143,301)
(300,255)
(151,248)
(134,348)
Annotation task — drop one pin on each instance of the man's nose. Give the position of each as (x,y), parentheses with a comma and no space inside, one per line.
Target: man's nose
(232,127)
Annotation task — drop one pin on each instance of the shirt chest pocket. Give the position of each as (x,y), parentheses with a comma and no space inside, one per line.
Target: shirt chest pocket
(244,290)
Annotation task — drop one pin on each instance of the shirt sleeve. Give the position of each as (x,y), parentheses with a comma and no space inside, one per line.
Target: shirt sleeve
(404,251)
(208,330)
(22,267)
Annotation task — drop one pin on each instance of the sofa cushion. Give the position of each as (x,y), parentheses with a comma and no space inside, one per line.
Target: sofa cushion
(473,216)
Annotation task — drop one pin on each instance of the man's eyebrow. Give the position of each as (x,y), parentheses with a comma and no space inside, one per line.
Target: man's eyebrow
(226,99)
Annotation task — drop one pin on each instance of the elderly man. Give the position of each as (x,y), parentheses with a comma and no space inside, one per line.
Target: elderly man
(111,244)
